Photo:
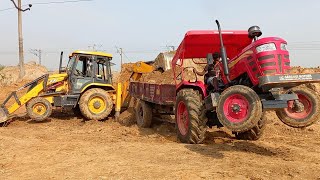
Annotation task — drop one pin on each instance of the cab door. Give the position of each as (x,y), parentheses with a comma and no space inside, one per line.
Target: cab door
(82,73)
(103,71)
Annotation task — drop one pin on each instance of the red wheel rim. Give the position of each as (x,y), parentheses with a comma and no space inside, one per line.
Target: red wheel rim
(182,118)
(236,108)
(306,101)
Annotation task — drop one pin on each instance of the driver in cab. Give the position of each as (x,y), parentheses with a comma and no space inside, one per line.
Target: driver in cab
(211,71)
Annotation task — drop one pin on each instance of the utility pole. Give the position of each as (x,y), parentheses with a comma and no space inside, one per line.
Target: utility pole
(120,51)
(21,57)
(38,53)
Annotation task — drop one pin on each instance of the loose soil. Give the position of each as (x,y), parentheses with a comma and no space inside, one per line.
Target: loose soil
(66,147)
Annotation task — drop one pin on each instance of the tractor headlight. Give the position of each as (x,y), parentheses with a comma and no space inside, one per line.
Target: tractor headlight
(283,47)
(266,47)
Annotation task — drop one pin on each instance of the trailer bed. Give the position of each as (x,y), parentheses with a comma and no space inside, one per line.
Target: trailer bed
(161,94)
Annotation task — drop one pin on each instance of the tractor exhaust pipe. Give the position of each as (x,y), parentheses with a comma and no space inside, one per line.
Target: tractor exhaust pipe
(223,54)
(60,64)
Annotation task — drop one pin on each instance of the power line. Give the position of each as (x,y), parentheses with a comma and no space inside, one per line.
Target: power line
(46,3)
(61,2)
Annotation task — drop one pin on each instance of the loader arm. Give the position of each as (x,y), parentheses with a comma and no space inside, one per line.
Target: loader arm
(138,69)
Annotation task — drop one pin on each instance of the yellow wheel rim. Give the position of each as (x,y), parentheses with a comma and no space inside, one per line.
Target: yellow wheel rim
(97,105)
(39,109)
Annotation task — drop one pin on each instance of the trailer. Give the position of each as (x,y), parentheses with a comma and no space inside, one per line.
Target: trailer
(153,100)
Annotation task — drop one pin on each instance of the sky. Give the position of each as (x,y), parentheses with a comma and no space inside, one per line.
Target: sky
(144,28)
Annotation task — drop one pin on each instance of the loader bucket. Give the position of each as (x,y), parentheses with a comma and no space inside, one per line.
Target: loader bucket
(3,116)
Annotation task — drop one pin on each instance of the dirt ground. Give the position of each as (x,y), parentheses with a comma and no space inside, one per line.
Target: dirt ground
(65,147)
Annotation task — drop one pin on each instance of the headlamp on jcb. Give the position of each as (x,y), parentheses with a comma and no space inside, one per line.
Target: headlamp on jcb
(266,47)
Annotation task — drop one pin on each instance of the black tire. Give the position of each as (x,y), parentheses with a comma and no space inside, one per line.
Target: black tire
(91,101)
(239,108)
(310,99)
(254,133)
(39,109)
(193,128)
(76,111)
(143,114)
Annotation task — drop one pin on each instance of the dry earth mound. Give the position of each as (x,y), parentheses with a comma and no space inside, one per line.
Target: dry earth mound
(10,74)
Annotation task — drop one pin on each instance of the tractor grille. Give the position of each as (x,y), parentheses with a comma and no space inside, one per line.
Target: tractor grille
(274,64)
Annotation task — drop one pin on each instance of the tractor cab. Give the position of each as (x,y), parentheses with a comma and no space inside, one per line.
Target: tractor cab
(86,68)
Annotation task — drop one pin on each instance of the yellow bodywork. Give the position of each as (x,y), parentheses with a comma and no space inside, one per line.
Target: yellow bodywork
(96,53)
(103,86)
(37,90)
(138,69)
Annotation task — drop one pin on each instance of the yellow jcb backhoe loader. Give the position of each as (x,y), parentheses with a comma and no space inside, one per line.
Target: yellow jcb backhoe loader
(85,85)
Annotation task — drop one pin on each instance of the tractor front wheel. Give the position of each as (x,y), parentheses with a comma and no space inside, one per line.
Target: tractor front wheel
(95,104)
(190,117)
(239,108)
(39,109)
(303,112)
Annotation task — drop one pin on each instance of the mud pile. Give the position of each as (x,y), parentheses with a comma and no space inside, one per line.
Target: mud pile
(10,74)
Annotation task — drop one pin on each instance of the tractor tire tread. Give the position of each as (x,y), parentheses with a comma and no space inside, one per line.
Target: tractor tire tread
(197,125)
(315,116)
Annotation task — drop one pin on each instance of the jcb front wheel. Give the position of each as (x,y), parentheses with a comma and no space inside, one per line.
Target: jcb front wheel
(39,109)
(95,104)
(302,113)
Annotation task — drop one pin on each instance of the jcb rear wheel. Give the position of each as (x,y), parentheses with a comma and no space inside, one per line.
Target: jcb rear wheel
(310,113)
(239,108)
(95,104)
(143,114)
(190,117)
(39,109)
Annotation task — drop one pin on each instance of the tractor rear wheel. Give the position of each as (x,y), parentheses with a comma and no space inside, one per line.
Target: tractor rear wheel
(239,108)
(301,117)
(143,114)
(95,104)
(254,133)
(39,109)
(190,117)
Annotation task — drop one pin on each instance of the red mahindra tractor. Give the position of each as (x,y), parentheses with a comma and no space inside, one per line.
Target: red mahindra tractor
(255,77)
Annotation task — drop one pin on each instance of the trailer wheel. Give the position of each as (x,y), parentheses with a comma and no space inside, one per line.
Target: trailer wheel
(239,108)
(190,117)
(254,133)
(309,114)
(39,109)
(143,114)
(95,104)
